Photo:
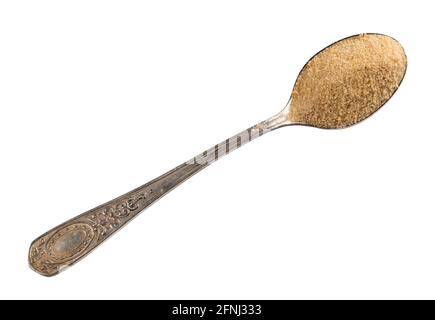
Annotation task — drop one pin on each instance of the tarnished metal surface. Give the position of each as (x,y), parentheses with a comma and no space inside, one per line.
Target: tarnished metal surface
(72,240)
(69,242)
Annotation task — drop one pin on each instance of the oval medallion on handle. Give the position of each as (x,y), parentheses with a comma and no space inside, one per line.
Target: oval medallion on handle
(70,242)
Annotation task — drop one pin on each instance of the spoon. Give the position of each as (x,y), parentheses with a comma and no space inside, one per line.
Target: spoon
(340,86)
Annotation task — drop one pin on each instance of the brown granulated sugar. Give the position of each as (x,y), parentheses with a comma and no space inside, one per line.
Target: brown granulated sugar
(347,81)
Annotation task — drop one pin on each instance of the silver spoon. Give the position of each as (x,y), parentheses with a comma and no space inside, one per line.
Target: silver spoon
(340,86)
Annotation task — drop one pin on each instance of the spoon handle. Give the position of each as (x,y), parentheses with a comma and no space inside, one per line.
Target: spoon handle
(67,243)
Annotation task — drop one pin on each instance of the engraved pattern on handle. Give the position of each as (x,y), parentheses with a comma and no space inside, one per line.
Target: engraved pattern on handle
(69,242)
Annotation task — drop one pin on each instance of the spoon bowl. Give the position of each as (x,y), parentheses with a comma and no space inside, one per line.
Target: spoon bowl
(344,83)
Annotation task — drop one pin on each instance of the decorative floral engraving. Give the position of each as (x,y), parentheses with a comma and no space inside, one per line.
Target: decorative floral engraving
(110,218)
(69,242)
(37,259)
(60,248)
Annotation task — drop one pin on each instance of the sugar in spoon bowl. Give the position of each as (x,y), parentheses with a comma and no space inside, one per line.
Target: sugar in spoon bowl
(338,87)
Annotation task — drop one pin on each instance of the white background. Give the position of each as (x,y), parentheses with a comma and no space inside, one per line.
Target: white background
(98,97)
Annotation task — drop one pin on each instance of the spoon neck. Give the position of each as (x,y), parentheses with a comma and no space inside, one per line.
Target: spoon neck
(279,120)
(219,150)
